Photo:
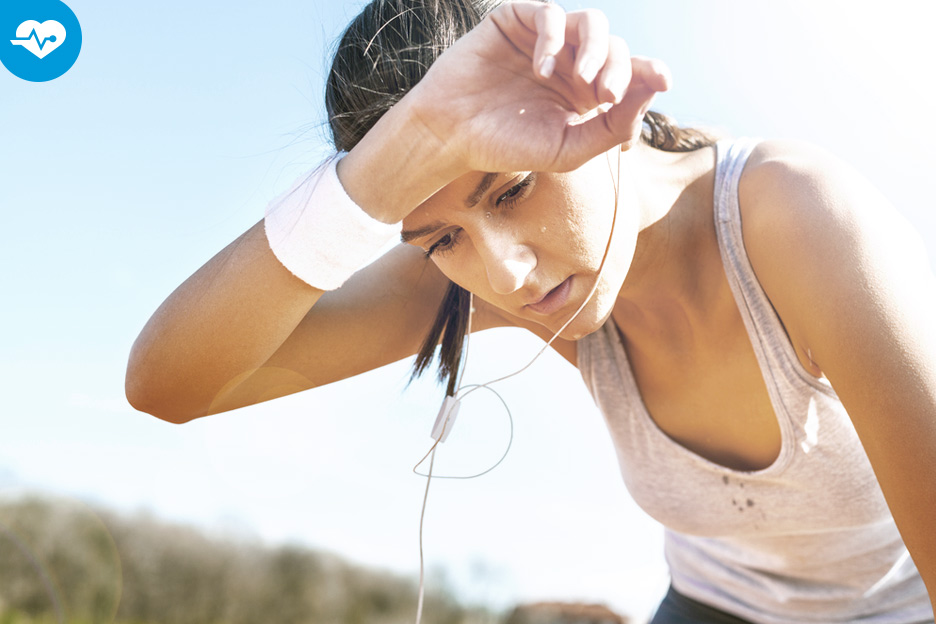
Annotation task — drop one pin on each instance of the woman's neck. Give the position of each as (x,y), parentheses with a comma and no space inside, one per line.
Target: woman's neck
(674,276)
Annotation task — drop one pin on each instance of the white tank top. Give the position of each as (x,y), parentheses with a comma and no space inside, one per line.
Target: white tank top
(807,539)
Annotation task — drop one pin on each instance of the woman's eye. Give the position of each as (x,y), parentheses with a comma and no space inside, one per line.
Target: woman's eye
(444,244)
(517,191)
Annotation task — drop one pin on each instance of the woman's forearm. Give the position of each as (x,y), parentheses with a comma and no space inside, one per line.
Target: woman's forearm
(223,322)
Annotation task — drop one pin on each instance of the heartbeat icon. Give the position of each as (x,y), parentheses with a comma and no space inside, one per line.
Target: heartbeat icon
(40,39)
(34,35)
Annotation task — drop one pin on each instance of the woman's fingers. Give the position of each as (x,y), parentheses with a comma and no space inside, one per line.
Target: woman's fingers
(616,74)
(589,31)
(549,22)
(576,43)
(581,37)
(624,121)
(653,72)
(621,124)
(595,66)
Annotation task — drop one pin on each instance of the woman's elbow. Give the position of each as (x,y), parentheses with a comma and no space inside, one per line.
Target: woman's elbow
(144,395)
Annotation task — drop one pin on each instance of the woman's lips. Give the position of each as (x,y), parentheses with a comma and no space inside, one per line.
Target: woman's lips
(554,299)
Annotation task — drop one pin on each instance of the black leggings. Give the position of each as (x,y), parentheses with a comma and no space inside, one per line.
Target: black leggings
(678,609)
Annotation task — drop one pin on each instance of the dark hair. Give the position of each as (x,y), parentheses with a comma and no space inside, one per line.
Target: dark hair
(382,54)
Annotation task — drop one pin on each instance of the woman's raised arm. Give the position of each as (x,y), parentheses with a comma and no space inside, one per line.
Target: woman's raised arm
(508,96)
(243,330)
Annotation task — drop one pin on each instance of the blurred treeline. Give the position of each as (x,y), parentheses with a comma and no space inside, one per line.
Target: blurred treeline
(66,562)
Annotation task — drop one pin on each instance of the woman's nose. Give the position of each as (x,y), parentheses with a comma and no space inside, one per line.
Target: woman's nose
(507,262)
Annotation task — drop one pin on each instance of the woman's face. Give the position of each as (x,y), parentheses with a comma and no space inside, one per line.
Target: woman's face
(531,244)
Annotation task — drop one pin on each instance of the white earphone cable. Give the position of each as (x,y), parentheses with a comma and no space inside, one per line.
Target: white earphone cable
(473,387)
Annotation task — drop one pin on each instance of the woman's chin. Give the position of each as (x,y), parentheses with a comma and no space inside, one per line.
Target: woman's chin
(592,317)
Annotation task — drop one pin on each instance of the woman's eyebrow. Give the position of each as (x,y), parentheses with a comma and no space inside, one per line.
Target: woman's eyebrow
(481,189)
(410,235)
(471,201)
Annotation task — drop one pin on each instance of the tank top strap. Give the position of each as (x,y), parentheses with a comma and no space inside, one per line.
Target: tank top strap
(768,336)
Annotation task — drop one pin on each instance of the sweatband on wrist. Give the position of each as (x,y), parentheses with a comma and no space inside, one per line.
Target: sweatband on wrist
(317,232)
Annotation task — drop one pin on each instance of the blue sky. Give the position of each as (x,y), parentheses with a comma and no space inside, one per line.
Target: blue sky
(181,120)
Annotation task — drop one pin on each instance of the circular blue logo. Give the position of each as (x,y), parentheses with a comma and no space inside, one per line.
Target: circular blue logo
(39,39)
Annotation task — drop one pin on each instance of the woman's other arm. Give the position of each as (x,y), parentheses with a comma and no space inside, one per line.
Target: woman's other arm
(243,330)
(851,281)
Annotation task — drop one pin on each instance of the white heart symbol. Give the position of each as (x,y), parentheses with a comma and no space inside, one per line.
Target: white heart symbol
(40,39)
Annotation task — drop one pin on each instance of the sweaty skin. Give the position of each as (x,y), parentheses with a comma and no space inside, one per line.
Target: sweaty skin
(846,275)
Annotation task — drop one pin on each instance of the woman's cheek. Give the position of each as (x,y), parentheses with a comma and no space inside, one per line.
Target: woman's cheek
(457,267)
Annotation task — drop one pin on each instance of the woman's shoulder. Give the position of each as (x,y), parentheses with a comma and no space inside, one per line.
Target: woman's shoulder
(817,232)
(794,173)
(794,195)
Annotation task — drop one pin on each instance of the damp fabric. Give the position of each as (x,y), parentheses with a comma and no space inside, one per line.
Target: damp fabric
(808,538)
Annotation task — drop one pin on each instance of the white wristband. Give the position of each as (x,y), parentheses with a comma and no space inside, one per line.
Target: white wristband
(319,233)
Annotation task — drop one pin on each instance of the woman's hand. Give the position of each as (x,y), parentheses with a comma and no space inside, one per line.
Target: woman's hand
(534,88)
(531,88)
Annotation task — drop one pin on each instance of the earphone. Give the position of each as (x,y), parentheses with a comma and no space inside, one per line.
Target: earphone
(448,411)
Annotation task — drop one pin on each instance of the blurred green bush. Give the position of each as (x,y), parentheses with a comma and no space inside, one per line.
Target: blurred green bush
(66,562)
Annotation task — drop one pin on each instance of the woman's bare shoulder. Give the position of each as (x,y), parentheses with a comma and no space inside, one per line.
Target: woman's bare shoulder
(796,173)
(818,235)
(851,281)
(798,199)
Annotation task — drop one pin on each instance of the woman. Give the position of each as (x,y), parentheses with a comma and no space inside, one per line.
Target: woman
(770,388)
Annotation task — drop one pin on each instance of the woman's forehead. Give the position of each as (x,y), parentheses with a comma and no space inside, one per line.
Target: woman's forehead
(464,193)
